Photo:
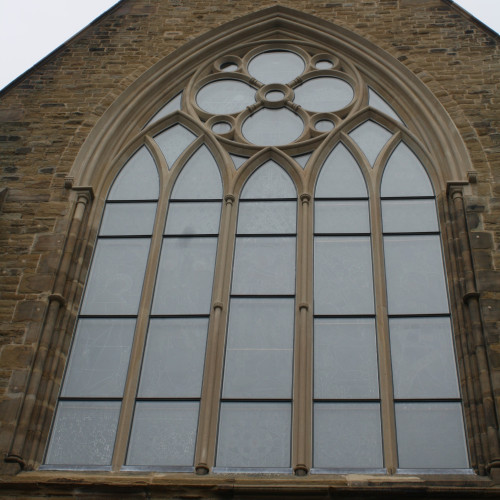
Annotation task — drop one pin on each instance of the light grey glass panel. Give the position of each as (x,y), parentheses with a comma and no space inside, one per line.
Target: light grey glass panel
(324,64)
(302,160)
(347,435)
(238,160)
(163,433)
(343,282)
(275,95)
(83,433)
(431,436)
(174,358)
(224,97)
(259,351)
(185,276)
(371,138)
(423,361)
(415,275)
(171,106)
(264,266)
(340,176)
(137,180)
(173,142)
(323,94)
(199,179)
(404,175)
(324,125)
(128,219)
(267,217)
(409,216)
(345,359)
(99,358)
(254,435)
(269,181)
(375,101)
(116,276)
(276,67)
(221,127)
(193,218)
(341,217)
(272,127)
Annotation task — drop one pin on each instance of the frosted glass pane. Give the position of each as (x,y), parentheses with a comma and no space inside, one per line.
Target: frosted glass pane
(171,106)
(409,216)
(115,280)
(254,435)
(269,181)
(238,160)
(276,67)
(267,217)
(173,142)
(347,436)
(163,433)
(375,101)
(137,180)
(224,97)
(340,176)
(302,160)
(185,276)
(174,358)
(272,127)
(324,125)
(343,282)
(83,433)
(404,175)
(423,361)
(193,218)
(323,94)
(199,179)
(264,266)
(371,138)
(345,359)
(99,358)
(415,275)
(341,217)
(128,219)
(431,436)
(259,351)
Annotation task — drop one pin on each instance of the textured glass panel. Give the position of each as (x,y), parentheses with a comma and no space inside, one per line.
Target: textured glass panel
(375,101)
(173,142)
(193,218)
(409,216)
(163,433)
(341,217)
(324,125)
(345,359)
(347,435)
(272,127)
(423,361)
(269,181)
(275,95)
(264,266)
(431,436)
(174,358)
(83,433)
(276,67)
(137,180)
(267,217)
(254,435)
(185,276)
(99,358)
(371,138)
(128,219)
(404,175)
(224,97)
(199,179)
(302,160)
(259,349)
(221,127)
(323,94)
(343,281)
(238,160)
(171,106)
(340,176)
(116,276)
(415,275)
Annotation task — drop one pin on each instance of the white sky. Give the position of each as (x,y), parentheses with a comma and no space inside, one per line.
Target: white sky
(31,29)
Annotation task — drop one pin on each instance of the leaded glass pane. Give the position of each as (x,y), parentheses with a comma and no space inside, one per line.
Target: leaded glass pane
(371,138)
(173,105)
(269,181)
(173,142)
(193,218)
(267,217)
(224,97)
(128,219)
(341,217)
(323,94)
(375,101)
(409,216)
(276,67)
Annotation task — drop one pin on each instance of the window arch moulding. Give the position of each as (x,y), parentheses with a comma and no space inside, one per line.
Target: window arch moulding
(354,116)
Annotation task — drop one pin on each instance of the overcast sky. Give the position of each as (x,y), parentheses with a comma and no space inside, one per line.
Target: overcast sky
(31,29)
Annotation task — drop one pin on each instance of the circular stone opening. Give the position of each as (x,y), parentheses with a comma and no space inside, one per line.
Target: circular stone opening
(324,125)
(324,64)
(275,95)
(221,127)
(228,66)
